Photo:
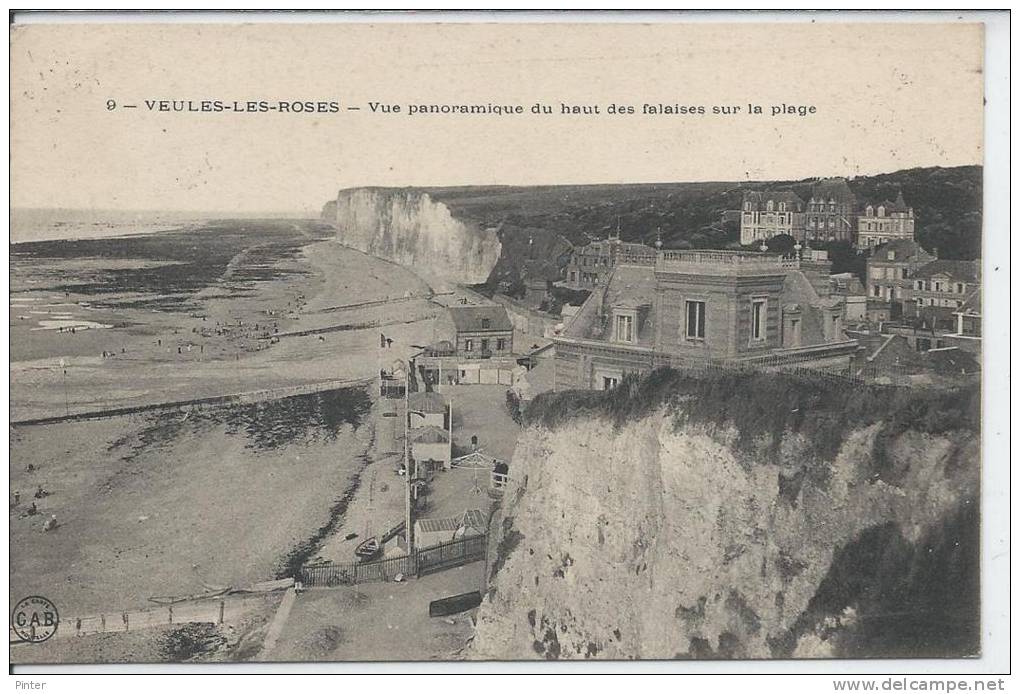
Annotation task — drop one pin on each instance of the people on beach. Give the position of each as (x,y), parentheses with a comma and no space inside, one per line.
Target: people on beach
(41,493)
(32,510)
(51,523)
(17,498)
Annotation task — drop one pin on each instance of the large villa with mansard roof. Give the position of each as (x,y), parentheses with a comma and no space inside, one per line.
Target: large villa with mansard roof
(696,308)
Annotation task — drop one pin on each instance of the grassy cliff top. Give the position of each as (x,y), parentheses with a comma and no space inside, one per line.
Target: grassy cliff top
(768,405)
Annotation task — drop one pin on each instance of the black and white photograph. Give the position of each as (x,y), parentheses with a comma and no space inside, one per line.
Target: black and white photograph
(360,341)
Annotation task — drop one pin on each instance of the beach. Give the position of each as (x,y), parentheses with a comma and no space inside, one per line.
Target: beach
(173,502)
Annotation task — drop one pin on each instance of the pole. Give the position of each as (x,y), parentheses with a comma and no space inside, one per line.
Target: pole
(449,452)
(408,520)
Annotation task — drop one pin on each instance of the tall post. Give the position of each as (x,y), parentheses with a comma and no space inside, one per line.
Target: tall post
(449,454)
(408,515)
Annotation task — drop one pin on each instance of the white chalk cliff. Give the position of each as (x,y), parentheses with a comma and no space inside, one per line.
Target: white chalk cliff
(409,227)
(659,540)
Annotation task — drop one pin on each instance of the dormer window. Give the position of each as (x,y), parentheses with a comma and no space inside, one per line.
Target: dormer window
(624,331)
(486,323)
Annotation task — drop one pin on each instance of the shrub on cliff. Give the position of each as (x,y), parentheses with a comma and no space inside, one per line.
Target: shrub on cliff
(767,405)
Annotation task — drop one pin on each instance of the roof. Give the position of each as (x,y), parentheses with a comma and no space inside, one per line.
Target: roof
(904,249)
(429,434)
(632,287)
(900,205)
(471,318)
(438,525)
(846,283)
(761,198)
(972,304)
(833,189)
(473,518)
(429,403)
(966,270)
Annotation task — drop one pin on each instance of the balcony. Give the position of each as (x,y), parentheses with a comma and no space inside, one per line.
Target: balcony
(724,262)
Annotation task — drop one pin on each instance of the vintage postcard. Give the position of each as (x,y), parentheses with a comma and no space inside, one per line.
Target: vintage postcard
(349,340)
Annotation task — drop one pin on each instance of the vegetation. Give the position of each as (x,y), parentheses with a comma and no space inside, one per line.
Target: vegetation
(946,202)
(767,405)
(513,405)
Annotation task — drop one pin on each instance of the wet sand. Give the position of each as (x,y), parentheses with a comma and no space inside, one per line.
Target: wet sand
(218,338)
(160,504)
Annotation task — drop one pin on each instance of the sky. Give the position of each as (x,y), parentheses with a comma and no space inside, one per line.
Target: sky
(887,97)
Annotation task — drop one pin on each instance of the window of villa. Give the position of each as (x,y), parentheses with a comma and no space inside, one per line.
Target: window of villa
(500,344)
(469,345)
(485,323)
(625,328)
(959,288)
(609,382)
(695,324)
(485,345)
(758,319)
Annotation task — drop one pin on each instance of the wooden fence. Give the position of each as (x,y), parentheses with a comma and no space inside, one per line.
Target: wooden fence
(210,610)
(428,560)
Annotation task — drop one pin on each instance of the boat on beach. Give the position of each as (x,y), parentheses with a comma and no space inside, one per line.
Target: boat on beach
(368,549)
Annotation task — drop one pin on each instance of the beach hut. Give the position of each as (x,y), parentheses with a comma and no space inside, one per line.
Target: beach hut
(431,447)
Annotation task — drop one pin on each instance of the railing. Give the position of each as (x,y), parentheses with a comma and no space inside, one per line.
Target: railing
(446,555)
(498,483)
(636,257)
(427,560)
(208,610)
(729,259)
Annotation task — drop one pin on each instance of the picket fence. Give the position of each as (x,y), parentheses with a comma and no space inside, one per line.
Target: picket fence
(424,561)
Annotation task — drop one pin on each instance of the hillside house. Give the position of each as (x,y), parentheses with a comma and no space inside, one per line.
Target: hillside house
(589,265)
(696,307)
(940,288)
(831,211)
(482,331)
(889,267)
(767,214)
(884,222)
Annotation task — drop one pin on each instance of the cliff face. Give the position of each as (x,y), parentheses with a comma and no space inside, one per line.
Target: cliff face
(328,214)
(678,534)
(410,228)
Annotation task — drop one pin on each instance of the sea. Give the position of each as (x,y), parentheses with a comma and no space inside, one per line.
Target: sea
(50,224)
